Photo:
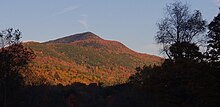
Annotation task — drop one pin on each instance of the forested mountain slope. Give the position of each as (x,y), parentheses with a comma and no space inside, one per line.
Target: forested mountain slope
(84,58)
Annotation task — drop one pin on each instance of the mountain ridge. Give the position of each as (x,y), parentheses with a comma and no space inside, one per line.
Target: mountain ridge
(79,38)
(75,37)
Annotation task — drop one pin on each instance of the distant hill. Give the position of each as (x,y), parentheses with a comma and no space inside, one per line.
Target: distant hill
(84,58)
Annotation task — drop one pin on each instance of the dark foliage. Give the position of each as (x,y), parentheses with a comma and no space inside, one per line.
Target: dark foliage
(214,42)
(14,58)
(185,51)
(185,84)
(80,95)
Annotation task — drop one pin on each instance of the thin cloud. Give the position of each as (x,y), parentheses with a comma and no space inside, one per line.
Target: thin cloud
(83,21)
(84,24)
(67,9)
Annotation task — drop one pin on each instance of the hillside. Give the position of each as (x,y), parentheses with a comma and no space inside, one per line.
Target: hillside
(85,58)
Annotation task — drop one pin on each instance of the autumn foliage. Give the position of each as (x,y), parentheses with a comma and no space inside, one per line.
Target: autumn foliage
(84,58)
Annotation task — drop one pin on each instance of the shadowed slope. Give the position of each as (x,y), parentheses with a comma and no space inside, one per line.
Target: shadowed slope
(76,37)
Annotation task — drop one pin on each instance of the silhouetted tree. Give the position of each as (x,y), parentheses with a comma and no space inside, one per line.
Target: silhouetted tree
(179,25)
(14,58)
(214,42)
(183,80)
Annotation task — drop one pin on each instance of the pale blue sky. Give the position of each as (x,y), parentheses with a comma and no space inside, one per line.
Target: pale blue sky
(132,22)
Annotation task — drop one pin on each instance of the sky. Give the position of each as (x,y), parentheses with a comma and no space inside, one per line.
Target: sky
(132,22)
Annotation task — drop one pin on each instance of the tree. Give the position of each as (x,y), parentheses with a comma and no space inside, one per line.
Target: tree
(214,42)
(9,36)
(14,58)
(179,25)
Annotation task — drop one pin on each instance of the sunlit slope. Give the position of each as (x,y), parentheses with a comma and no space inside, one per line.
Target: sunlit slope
(85,58)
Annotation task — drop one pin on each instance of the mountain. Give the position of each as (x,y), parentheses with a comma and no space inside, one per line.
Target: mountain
(84,58)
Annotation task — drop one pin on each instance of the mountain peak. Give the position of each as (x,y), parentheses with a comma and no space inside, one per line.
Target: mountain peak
(76,37)
(88,33)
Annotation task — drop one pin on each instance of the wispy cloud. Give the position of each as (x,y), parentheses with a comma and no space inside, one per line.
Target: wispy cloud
(83,21)
(67,9)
